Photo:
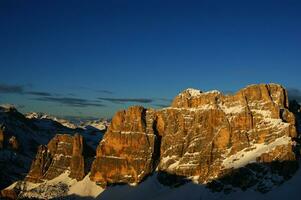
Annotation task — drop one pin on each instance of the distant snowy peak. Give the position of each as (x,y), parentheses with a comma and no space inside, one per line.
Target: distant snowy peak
(196,93)
(34,115)
(64,122)
(100,124)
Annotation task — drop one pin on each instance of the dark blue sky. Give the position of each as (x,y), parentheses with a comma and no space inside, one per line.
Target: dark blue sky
(91,58)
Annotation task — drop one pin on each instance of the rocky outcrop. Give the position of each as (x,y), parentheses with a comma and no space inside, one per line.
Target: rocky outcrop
(20,138)
(202,136)
(63,152)
(126,153)
(206,134)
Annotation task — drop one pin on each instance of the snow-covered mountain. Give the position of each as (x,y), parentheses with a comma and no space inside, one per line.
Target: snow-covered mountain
(20,136)
(40,116)
(100,124)
(92,130)
(89,125)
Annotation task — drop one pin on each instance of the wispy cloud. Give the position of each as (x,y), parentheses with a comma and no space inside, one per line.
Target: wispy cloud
(75,102)
(20,89)
(11,89)
(127,100)
(102,91)
(36,93)
(164,99)
(294,94)
(49,97)
(105,91)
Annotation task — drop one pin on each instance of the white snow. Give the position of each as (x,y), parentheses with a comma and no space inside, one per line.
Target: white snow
(193,92)
(212,92)
(263,113)
(245,156)
(238,108)
(199,108)
(174,165)
(114,157)
(151,189)
(64,122)
(85,187)
(132,132)
(64,177)
(266,117)
(166,159)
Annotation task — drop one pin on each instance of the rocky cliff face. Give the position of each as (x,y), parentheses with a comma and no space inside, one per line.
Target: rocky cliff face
(63,152)
(205,134)
(126,153)
(202,136)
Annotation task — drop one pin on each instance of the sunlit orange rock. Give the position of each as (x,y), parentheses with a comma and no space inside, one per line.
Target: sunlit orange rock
(202,131)
(63,152)
(127,152)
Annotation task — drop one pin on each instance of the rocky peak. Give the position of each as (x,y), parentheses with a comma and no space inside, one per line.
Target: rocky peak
(63,152)
(192,98)
(125,155)
(201,136)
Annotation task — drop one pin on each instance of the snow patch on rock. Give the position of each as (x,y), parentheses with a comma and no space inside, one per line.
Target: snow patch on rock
(60,186)
(246,156)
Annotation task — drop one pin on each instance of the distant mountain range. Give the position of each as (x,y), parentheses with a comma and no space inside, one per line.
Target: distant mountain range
(20,136)
(206,145)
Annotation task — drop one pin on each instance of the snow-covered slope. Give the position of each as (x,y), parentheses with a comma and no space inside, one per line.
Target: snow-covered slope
(30,131)
(60,186)
(151,189)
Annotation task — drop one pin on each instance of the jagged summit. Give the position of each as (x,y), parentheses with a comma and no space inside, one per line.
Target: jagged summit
(194,98)
(196,134)
(193,93)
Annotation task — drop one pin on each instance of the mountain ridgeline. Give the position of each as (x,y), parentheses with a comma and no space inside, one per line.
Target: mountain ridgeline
(246,140)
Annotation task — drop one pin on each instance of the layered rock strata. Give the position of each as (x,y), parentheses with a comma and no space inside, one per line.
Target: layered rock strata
(128,150)
(202,136)
(63,152)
